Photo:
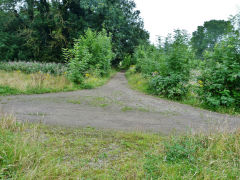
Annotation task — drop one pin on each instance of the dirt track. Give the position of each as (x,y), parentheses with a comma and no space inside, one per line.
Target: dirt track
(115,106)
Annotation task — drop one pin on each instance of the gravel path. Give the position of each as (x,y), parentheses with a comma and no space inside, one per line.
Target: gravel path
(115,106)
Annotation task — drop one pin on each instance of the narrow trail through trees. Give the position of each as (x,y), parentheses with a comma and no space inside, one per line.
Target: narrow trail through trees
(116,106)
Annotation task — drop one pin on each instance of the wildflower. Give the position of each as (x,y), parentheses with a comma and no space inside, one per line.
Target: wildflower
(87,75)
(154,73)
(200,83)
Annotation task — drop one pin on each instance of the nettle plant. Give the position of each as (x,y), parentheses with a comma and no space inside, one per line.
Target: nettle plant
(92,53)
(220,78)
(173,82)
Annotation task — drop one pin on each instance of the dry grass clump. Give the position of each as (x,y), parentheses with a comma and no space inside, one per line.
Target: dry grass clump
(8,121)
(25,82)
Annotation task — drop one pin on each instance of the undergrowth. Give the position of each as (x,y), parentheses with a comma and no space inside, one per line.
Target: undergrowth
(138,81)
(17,82)
(35,151)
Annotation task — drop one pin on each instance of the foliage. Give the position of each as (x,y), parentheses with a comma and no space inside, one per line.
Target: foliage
(208,35)
(34,67)
(181,149)
(235,21)
(93,81)
(172,71)
(149,60)
(220,77)
(6,90)
(173,86)
(126,63)
(91,53)
(34,151)
(33,29)
(167,66)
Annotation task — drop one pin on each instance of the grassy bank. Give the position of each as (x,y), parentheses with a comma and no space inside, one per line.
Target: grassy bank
(17,82)
(30,151)
(138,82)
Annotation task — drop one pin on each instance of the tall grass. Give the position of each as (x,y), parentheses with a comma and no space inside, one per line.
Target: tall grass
(39,152)
(33,67)
(16,82)
(33,83)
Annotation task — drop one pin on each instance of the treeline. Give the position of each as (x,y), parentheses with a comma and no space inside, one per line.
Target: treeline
(39,29)
(202,69)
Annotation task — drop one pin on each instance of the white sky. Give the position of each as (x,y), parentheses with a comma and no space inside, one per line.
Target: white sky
(163,16)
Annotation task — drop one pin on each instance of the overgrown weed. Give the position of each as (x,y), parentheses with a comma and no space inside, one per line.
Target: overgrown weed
(17,82)
(37,151)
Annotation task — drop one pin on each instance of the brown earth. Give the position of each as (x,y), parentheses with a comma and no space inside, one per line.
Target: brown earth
(116,106)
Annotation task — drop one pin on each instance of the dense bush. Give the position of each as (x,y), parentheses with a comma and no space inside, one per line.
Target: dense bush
(33,67)
(172,86)
(167,66)
(126,63)
(92,53)
(149,60)
(220,77)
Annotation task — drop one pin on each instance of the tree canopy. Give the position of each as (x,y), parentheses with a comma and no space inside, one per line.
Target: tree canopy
(39,29)
(209,34)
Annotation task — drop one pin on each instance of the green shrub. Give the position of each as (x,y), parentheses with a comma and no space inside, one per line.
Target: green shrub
(172,86)
(182,149)
(91,52)
(149,60)
(168,66)
(126,63)
(173,82)
(219,82)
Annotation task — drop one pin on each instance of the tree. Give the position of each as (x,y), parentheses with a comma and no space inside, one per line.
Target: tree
(39,29)
(208,35)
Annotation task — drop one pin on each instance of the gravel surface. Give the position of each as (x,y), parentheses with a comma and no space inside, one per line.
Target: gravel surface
(116,106)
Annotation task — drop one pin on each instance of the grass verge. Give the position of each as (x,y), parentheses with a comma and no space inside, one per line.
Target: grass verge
(33,151)
(137,82)
(94,82)
(16,82)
